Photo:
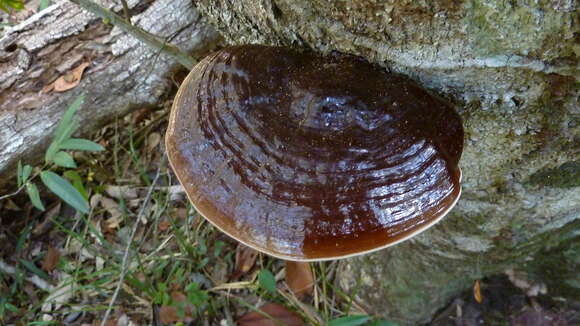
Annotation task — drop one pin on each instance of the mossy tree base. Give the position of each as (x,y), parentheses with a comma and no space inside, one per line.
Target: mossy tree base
(511,70)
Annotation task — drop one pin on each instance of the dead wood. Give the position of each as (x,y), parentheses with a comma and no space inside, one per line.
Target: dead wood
(121,74)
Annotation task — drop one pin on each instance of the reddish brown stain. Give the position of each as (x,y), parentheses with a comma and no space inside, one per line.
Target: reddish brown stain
(310,157)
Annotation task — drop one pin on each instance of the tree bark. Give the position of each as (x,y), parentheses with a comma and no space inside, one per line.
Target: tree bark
(511,70)
(122,73)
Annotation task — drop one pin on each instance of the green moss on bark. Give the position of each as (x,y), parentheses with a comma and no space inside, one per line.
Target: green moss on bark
(566,175)
(558,267)
(518,27)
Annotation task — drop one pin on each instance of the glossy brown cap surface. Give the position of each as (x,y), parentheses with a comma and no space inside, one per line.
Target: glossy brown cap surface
(306,157)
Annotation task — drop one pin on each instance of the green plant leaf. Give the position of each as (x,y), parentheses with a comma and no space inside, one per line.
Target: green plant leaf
(68,131)
(42,323)
(267,280)
(43,4)
(64,159)
(161,296)
(66,127)
(22,239)
(15,4)
(79,144)
(63,189)
(195,295)
(11,307)
(57,141)
(354,320)
(19,174)
(217,250)
(34,196)
(382,322)
(77,182)
(201,247)
(67,119)
(26,171)
(23,172)
(50,152)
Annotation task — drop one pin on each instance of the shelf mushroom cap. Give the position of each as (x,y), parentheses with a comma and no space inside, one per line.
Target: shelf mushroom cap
(309,158)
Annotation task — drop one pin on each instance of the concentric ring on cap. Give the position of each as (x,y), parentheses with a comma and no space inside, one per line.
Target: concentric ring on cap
(306,157)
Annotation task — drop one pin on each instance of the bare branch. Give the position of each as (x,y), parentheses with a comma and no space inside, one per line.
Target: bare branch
(147,38)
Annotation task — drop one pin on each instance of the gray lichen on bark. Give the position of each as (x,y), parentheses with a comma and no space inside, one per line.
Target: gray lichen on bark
(511,70)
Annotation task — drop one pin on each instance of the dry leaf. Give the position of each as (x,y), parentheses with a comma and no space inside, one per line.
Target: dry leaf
(281,315)
(168,314)
(176,193)
(477,292)
(44,226)
(70,80)
(113,208)
(153,140)
(245,260)
(164,225)
(61,295)
(140,114)
(141,277)
(121,192)
(11,205)
(51,259)
(233,286)
(95,200)
(180,213)
(300,278)
(48,88)
(110,322)
(178,296)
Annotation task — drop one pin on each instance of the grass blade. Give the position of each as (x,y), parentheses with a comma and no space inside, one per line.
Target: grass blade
(32,268)
(354,320)
(63,189)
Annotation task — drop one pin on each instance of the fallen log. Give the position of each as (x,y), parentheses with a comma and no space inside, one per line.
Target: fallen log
(121,73)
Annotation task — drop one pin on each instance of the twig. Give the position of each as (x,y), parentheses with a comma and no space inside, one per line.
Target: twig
(13,194)
(23,184)
(40,283)
(126,11)
(147,38)
(124,263)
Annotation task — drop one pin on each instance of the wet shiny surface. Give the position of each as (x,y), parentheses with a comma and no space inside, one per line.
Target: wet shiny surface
(306,157)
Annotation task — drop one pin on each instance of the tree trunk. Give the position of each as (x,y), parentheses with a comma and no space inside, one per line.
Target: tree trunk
(122,73)
(511,70)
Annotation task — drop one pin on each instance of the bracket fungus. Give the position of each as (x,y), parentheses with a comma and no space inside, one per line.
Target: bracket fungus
(307,157)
